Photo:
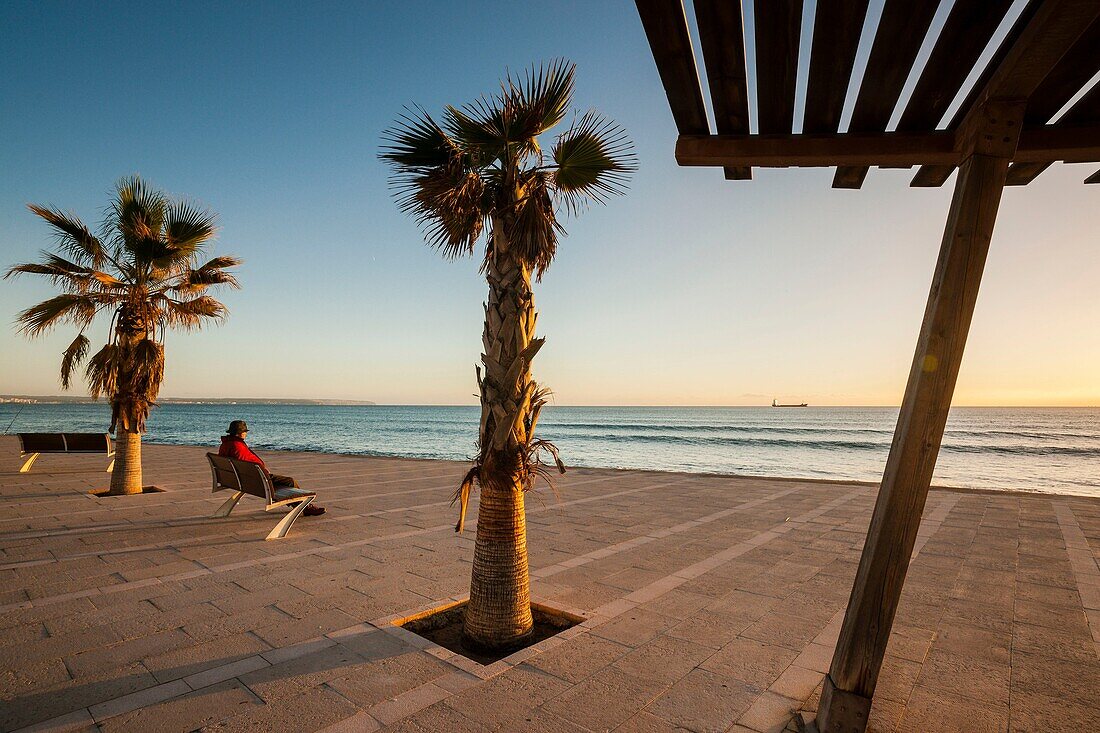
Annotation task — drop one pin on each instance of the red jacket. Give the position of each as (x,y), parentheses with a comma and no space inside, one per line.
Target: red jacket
(234,447)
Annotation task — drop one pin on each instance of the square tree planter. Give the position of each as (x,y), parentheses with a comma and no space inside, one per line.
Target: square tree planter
(442,626)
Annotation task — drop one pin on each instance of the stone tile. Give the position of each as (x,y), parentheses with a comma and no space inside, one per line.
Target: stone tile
(580,657)
(371,682)
(293,676)
(704,701)
(190,660)
(313,710)
(634,627)
(935,711)
(1037,713)
(600,703)
(798,683)
(769,713)
(751,661)
(664,659)
(188,712)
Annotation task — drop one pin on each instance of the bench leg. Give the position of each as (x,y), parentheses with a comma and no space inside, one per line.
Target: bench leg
(27,466)
(111,466)
(284,524)
(224,509)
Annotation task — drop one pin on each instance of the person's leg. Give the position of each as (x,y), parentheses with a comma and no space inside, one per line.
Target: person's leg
(286,481)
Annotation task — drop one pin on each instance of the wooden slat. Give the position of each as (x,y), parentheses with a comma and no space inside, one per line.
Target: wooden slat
(666,28)
(932,176)
(1042,144)
(965,34)
(1084,112)
(778,28)
(837,28)
(1068,77)
(900,33)
(722,37)
(1054,29)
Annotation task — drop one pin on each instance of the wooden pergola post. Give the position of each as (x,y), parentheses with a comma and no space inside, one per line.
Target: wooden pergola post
(850,684)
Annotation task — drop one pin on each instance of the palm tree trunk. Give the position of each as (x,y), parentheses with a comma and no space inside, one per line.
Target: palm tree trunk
(499,612)
(126,475)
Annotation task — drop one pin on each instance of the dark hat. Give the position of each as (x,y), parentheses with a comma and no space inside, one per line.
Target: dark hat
(237,427)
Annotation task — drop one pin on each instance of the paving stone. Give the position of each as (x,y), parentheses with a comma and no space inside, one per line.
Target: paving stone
(376,680)
(313,710)
(599,703)
(188,712)
(753,662)
(936,711)
(192,659)
(704,701)
(580,657)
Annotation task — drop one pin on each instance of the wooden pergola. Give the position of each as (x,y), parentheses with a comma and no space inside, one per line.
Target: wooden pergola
(1002,134)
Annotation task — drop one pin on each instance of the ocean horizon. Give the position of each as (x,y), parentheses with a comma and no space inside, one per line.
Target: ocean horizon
(1040,449)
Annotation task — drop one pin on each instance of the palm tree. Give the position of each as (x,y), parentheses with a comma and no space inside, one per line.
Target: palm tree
(483,170)
(142,271)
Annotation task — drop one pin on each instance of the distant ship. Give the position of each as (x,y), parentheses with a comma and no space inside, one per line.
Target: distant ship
(776,404)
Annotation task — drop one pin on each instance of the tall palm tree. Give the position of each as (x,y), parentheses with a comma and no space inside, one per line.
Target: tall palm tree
(141,271)
(482,170)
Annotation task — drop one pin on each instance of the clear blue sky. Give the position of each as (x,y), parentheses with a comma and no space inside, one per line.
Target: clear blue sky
(688,290)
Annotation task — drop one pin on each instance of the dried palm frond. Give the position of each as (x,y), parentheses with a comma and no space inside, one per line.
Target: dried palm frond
(73,237)
(76,308)
(72,357)
(102,372)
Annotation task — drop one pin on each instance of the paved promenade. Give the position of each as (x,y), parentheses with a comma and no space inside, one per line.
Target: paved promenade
(712,604)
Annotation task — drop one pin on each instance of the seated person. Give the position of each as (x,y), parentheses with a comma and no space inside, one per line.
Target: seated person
(233,446)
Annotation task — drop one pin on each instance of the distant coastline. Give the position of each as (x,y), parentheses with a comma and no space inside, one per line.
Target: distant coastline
(76,399)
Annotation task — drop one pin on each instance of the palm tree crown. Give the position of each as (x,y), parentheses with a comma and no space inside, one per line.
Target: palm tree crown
(484,164)
(143,271)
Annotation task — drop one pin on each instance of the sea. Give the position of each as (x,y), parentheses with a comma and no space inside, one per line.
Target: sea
(1051,450)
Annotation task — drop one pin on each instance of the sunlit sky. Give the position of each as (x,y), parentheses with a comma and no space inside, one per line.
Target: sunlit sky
(690,290)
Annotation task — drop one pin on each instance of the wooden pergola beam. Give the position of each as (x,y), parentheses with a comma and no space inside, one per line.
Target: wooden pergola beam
(850,684)
(665,25)
(1038,145)
(722,38)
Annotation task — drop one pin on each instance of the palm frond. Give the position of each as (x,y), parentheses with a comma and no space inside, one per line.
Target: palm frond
(416,141)
(102,372)
(534,230)
(192,314)
(63,273)
(72,357)
(541,99)
(194,281)
(73,236)
(143,369)
(481,129)
(594,160)
(137,218)
(186,229)
(75,308)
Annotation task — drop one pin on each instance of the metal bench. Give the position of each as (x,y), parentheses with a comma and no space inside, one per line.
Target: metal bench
(243,478)
(32,445)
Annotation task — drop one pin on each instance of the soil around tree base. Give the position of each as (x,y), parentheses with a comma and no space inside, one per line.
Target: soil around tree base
(144,490)
(444,627)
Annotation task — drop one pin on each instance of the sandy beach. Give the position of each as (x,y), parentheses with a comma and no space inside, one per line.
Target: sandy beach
(711,604)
